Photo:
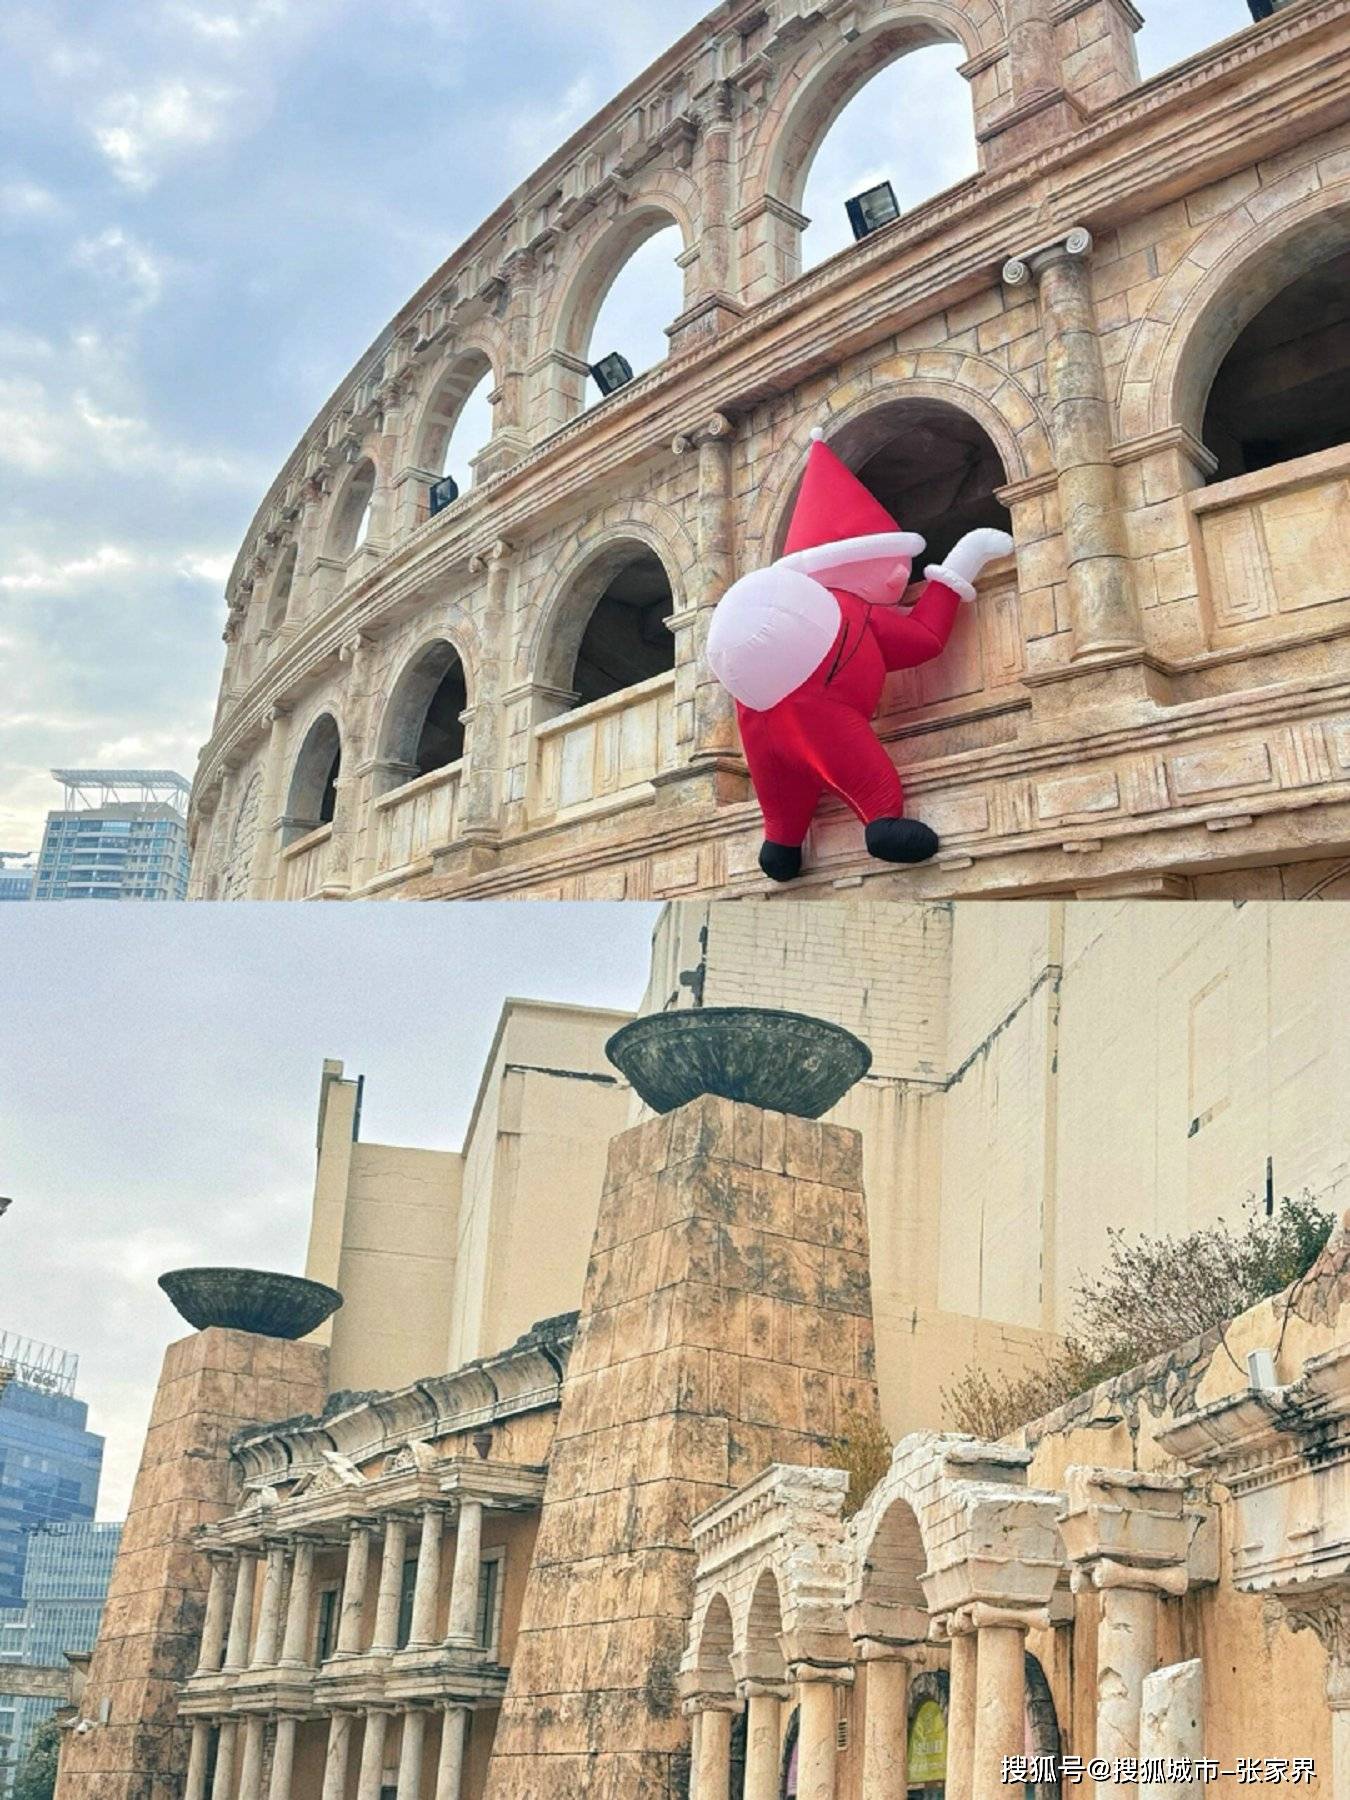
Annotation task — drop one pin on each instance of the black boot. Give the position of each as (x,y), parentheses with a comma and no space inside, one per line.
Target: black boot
(901,841)
(780,862)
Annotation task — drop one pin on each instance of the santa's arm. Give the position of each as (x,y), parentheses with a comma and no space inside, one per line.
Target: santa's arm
(908,639)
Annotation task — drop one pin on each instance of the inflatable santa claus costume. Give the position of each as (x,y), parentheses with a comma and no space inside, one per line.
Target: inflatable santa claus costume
(804,647)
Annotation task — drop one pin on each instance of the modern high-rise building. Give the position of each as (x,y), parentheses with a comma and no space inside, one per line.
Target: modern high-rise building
(64,1585)
(121,834)
(17,868)
(50,1461)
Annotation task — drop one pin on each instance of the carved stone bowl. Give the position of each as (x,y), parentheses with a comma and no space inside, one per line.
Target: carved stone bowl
(781,1061)
(257,1300)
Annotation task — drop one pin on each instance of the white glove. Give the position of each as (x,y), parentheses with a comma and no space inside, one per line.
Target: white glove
(963,564)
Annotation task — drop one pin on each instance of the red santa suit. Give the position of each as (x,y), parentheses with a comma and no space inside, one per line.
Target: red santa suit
(806,645)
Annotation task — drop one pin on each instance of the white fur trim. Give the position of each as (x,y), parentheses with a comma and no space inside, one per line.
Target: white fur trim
(950,579)
(771,629)
(894,546)
(817,435)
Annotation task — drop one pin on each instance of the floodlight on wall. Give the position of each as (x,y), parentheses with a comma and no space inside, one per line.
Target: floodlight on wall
(870,211)
(1261,9)
(612,372)
(443,492)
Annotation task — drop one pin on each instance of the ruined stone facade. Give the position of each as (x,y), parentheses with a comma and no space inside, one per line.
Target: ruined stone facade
(1152,699)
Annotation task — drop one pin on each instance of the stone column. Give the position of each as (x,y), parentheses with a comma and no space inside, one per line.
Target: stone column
(269,1612)
(1000,1697)
(410,1753)
(763,1739)
(217,1611)
(372,1753)
(352,1615)
(885,1722)
(450,1764)
(1032,52)
(241,1614)
(480,799)
(817,1739)
(271,804)
(1127,1536)
(423,1633)
(1172,1728)
(712,1767)
(222,1783)
(295,1643)
(194,1786)
(462,1632)
(961,1676)
(391,1578)
(283,1758)
(1327,1615)
(1105,615)
(335,1762)
(250,1763)
(711,733)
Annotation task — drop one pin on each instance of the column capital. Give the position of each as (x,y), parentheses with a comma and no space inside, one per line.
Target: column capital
(710,1701)
(499,551)
(718,427)
(1123,1529)
(756,1689)
(1073,245)
(836,1674)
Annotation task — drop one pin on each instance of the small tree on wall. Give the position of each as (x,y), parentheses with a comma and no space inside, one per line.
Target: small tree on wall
(1153,1295)
(36,1779)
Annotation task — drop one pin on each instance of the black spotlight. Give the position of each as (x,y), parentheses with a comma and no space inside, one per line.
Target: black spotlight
(870,211)
(443,492)
(1261,9)
(612,372)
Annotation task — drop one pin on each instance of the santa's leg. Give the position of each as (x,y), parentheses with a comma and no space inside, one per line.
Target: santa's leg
(855,764)
(788,790)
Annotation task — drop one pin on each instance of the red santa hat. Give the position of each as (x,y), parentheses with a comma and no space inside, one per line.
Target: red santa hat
(841,535)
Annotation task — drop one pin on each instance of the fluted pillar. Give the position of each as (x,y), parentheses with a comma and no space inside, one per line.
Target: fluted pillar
(241,1613)
(961,1709)
(427,1585)
(450,1764)
(194,1784)
(410,1753)
(283,1759)
(763,1740)
(266,1641)
(1103,610)
(295,1643)
(391,1578)
(250,1763)
(352,1615)
(885,1723)
(462,1632)
(222,1784)
(368,1779)
(335,1762)
(817,1740)
(217,1613)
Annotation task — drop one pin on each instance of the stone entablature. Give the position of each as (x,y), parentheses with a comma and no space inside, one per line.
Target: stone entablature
(1140,704)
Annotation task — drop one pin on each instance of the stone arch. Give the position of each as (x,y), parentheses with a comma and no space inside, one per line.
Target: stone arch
(311,795)
(597,258)
(350,507)
(550,651)
(1004,421)
(421,729)
(764,1627)
(716,1642)
(455,378)
(279,590)
(1226,277)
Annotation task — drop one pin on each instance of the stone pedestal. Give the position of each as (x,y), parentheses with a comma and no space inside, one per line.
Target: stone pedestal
(725,1325)
(212,1384)
(1172,1729)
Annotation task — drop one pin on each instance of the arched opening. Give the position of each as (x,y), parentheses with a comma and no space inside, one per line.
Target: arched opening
(279,600)
(910,123)
(932,466)
(423,728)
(612,632)
(927,1734)
(1283,390)
(351,517)
(629,289)
(458,421)
(312,800)
(791,1759)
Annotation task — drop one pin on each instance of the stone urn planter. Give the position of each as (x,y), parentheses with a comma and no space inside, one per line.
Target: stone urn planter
(256,1300)
(782,1061)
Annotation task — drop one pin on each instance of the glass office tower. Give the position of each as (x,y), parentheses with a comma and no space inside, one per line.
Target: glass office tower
(121,835)
(50,1461)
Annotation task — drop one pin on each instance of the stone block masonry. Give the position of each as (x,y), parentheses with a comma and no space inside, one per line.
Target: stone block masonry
(726,1324)
(211,1385)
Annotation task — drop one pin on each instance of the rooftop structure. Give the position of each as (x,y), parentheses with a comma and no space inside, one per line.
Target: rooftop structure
(121,835)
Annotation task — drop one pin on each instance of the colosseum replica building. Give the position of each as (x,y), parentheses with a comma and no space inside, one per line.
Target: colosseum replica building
(424,1554)
(1123,339)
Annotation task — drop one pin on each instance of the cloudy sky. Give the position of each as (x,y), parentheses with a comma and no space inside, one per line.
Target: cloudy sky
(208,208)
(157,1107)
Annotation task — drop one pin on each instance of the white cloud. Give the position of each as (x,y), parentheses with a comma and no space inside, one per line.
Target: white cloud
(214,568)
(140,134)
(28,200)
(125,265)
(37,574)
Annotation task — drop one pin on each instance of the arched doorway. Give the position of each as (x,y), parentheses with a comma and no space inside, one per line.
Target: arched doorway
(1283,390)
(312,799)
(351,514)
(927,1736)
(610,632)
(423,728)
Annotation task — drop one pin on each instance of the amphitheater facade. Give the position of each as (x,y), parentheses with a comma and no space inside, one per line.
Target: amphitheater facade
(1124,338)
